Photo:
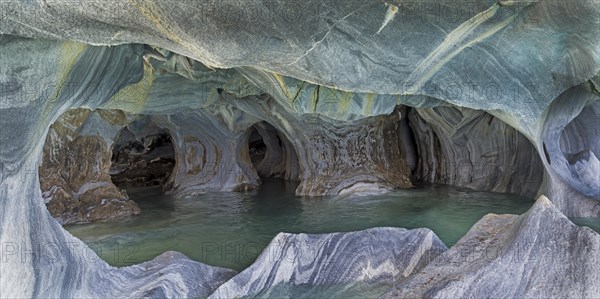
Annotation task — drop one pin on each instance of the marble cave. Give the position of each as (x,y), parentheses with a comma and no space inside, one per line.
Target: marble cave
(299,149)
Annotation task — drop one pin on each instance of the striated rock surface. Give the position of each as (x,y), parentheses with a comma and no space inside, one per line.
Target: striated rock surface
(272,154)
(485,45)
(539,254)
(350,157)
(212,151)
(372,256)
(170,275)
(471,148)
(570,146)
(74,172)
(337,157)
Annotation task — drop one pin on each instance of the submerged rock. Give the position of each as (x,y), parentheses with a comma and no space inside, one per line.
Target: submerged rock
(539,254)
(341,260)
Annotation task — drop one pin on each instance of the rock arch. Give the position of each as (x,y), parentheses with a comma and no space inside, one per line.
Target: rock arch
(273,154)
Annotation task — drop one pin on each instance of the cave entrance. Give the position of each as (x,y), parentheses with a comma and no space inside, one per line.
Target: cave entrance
(142,158)
(271,153)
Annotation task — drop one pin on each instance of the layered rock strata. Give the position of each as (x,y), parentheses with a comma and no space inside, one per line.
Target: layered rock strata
(74,171)
(470,148)
(373,256)
(170,275)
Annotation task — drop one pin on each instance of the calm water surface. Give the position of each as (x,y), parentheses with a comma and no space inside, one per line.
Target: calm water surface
(231,229)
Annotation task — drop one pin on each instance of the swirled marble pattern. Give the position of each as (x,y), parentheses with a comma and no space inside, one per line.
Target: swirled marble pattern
(370,256)
(301,65)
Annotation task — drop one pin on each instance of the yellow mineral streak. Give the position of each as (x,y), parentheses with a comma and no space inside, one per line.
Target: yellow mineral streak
(369,103)
(133,97)
(389,16)
(283,86)
(70,53)
(345,100)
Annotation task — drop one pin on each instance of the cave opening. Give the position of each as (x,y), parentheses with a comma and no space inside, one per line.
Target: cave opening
(469,148)
(142,159)
(408,140)
(271,153)
(257,147)
(577,151)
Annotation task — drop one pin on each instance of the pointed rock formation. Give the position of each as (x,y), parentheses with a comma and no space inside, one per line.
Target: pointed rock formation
(378,256)
(539,254)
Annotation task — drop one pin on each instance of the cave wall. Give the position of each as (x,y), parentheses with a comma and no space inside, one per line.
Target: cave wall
(570,158)
(211,149)
(469,148)
(74,170)
(41,258)
(337,157)
(350,157)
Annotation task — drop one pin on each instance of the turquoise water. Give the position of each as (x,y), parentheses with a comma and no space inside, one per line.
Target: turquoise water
(231,229)
(592,223)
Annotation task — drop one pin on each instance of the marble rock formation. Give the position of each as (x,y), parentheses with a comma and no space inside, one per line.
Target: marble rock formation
(372,256)
(350,157)
(363,155)
(540,254)
(171,275)
(570,146)
(328,76)
(212,151)
(272,154)
(74,172)
(471,148)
